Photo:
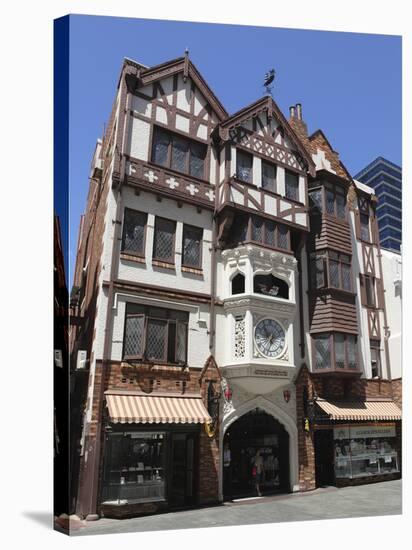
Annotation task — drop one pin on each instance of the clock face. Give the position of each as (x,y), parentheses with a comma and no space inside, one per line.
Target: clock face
(269,338)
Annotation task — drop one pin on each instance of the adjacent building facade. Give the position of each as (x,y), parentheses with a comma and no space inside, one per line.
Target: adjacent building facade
(229,306)
(385,178)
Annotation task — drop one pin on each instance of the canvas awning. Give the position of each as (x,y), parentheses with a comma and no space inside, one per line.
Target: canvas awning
(135,408)
(360,410)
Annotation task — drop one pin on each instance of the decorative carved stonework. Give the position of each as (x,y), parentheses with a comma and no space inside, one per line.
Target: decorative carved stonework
(240,337)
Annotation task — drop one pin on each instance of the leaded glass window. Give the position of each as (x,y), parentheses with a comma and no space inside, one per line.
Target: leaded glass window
(315,199)
(346,277)
(270,233)
(283,236)
(180,150)
(330,202)
(244,166)
(164,240)
(291,185)
(257,229)
(160,150)
(156,339)
(133,338)
(134,224)
(318,272)
(268,176)
(364,225)
(339,351)
(197,160)
(322,351)
(192,246)
(334,273)
(340,206)
(352,351)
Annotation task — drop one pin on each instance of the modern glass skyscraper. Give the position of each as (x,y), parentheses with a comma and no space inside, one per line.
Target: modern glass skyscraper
(385,178)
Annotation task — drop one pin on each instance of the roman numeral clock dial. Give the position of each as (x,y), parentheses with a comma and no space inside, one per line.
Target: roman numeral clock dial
(269,338)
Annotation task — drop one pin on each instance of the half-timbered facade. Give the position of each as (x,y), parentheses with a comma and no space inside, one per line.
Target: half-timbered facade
(222,290)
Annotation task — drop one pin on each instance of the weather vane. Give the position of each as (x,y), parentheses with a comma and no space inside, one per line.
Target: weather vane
(269,78)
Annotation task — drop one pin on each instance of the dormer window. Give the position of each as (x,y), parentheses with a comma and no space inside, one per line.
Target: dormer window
(244,166)
(178,153)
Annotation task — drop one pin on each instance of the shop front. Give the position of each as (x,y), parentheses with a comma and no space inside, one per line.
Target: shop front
(255,456)
(357,443)
(151,453)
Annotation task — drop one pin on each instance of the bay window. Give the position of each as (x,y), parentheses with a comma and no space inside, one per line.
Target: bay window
(335,351)
(155,334)
(331,269)
(259,230)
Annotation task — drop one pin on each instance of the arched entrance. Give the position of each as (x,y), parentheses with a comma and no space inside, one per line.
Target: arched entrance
(255,431)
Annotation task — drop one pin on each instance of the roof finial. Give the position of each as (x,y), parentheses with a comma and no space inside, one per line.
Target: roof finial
(269,78)
(187,51)
(186,65)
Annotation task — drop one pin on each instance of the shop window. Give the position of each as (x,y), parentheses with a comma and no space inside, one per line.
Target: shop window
(335,351)
(269,176)
(164,240)
(244,166)
(192,246)
(291,185)
(179,153)
(134,467)
(375,359)
(270,286)
(365,451)
(238,284)
(134,227)
(155,334)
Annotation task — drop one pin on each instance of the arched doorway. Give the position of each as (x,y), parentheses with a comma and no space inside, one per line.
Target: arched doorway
(252,432)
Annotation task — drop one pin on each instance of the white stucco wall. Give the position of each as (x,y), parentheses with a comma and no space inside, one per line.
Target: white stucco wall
(392,280)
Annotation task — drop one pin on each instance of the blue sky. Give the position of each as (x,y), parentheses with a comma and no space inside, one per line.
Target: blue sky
(349,84)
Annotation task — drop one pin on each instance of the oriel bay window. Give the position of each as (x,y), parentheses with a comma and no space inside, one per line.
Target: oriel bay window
(155,334)
(164,240)
(259,230)
(335,351)
(331,269)
(178,153)
(134,227)
(192,246)
(335,201)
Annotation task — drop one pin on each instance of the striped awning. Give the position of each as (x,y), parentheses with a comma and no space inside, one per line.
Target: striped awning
(361,410)
(129,408)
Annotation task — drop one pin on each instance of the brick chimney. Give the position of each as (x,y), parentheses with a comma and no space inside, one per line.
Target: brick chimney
(296,120)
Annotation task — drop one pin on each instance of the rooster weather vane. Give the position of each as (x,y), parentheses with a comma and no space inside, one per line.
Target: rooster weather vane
(269,78)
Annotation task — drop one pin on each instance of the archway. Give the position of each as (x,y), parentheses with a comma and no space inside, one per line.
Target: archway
(255,431)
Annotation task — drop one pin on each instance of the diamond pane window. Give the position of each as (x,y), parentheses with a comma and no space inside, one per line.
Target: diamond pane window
(322,351)
(134,231)
(340,206)
(164,240)
(291,185)
(257,229)
(315,199)
(334,273)
(156,333)
(244,163)
(317,272)
(330,202)
(346,277)
(180,150)
(352,351)
(181,342)
(283,236)
(270,229)
(192,246)
(160,150)
(268,176)
(340,351)
(197,160)
(133,339)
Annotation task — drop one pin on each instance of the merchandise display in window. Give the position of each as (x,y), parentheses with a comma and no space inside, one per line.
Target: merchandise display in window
(373,454)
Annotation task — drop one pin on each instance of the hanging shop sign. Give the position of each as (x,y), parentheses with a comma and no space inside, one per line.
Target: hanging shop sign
(358,432)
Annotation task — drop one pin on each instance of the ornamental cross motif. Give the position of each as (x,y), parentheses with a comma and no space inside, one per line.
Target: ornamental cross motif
(210,194)
(172,183)
(151,176)
(192,189)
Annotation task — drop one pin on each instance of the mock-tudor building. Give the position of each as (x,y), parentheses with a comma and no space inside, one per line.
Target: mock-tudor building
(229,303)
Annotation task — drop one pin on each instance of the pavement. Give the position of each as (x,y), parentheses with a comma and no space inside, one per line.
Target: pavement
(377,499)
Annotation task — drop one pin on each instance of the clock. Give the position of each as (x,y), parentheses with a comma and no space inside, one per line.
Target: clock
(269,338)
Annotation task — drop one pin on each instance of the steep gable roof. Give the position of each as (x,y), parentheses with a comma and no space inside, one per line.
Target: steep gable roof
(267,104)
(318,141)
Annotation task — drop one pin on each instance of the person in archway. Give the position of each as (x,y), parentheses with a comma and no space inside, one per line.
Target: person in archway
(258,469)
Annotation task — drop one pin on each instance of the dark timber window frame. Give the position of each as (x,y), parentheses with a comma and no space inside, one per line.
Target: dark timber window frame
(270,232)
(188,151)
(175,325)
(197,235)
(334,339)
(130,213)
(247,175)
(292,186)
(335,201)
(157,228)
(269,183)
(321,271)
